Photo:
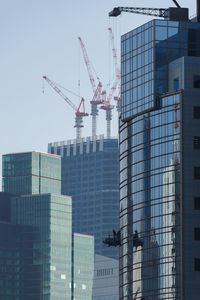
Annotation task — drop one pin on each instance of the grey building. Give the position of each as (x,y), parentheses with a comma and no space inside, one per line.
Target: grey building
(106,278)
(90,175)
(160,162)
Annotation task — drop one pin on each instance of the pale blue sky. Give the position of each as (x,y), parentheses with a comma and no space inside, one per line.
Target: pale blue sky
(39,37)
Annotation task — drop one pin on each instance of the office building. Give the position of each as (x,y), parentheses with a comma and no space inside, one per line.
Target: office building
(42,252)
(17,275)
(83,266)
(90,176)
(106,278)
(31,173)
(160,162)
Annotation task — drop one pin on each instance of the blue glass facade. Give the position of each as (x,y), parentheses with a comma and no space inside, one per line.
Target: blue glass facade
(158,162)
(149,145)
(90,176)
(146,54)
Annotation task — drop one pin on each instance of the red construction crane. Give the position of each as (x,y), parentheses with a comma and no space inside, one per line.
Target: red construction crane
(96,90)
(78,113)
(117,72)
(114,51)
(107,99)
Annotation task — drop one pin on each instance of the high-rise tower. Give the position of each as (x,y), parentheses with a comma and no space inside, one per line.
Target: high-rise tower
(159,161)
(90,176)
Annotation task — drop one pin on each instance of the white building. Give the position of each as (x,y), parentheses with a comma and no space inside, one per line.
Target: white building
(106,278)
(170,208)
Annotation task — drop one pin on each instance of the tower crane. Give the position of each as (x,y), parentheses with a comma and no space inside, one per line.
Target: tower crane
(78,113)
(107,100)
(108,109)
(117,69)
(172,13)
(96,90)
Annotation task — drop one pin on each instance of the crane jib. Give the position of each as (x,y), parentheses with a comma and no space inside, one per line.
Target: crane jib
(171,13)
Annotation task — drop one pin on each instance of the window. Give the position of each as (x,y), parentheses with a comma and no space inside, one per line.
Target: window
(197,264)
(197,203)
(65,151)
(196,112)
(196,142)
(104,272)
(176,83)
(196,172)
(197,234)
(83,286)
(196,81)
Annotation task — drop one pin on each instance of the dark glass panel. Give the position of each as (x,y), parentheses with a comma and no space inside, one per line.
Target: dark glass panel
(196,142)
(197,234)
(197,203)
(197,264)
(196,82)
(196,112)
(196,172)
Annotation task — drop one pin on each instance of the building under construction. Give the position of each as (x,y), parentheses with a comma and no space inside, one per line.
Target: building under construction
(102,98)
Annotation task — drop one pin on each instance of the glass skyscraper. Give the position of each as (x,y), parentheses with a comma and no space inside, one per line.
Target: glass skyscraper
(160,162)
(42,252)
(90,175)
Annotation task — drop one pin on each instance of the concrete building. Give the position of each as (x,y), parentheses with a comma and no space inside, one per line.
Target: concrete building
(41,251)
(90,176)
(159,161)
(106,278)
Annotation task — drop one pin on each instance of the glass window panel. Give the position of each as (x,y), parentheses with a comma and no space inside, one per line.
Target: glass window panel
(161,33)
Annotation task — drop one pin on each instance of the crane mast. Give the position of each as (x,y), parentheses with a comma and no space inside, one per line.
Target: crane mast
(107,99)
(78,113)
(96,90)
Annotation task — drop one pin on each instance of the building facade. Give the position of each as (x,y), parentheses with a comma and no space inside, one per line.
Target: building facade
(159,162)
(90,176)
(83,266)
(106,278)
(31,173)
(15,268)
(42,220)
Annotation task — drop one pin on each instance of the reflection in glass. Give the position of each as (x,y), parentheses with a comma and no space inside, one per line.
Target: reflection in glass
(149,204)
